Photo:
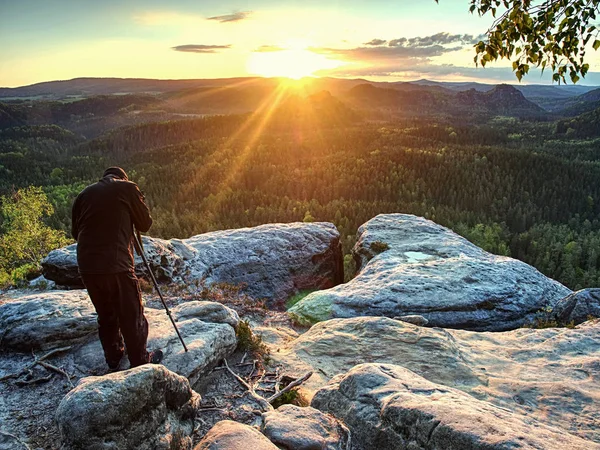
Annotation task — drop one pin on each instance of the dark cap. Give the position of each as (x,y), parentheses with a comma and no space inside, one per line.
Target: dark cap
(115,172)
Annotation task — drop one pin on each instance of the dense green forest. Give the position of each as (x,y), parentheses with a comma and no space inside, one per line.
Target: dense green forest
(528,189)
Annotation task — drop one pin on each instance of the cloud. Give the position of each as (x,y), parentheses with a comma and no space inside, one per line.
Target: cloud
(269,48)
(233,17)
(376,42)
(198,48)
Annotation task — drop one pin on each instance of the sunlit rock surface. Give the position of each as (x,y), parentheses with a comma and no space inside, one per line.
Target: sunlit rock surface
(229,435)
(551,375)
(412,266)
(148,407)
(273,261)
(390,407)
(293,427)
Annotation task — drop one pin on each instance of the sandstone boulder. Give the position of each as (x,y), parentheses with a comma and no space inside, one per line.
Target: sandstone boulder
(387,406)
(46,319)
(578,307)
(148,407)
(273,261)
(551,375)
(412,266)
(291,427)
(229,435)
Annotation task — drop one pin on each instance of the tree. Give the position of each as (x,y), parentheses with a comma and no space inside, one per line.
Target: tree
(25,239)
(551,34)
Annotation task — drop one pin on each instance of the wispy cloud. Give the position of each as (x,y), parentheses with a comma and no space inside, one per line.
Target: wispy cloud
(388,58)
(269,48)
(200,48)
(233,17)
(376,42)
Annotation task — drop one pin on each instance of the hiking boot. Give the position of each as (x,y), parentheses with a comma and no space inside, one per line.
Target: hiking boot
(155,356)
(114,366)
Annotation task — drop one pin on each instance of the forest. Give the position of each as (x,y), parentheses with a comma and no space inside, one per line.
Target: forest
(526,187)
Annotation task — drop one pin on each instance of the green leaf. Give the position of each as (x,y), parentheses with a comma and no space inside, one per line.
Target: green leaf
(596,44)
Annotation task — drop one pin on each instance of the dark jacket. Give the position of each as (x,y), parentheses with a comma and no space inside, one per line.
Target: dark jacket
(103,217)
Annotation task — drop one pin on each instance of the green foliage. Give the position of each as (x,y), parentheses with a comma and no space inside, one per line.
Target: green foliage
(552,34)
(292,397)
(25,239)
(296,298)
(492,238)
(250,342)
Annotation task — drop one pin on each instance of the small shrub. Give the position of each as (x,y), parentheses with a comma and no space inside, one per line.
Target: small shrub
(293,397)
(145,286)
(379,247)
(250,342)
(22,274)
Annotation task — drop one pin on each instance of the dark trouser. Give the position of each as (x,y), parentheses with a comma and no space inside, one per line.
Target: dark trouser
(118,302)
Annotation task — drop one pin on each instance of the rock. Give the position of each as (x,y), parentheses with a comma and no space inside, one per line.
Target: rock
(46,319)
(148,407)
(212,312)
(42,283)
(387,406)
(414,319)
(206,328)
(412,266)
(551,375)
(273,261)
(229,435)
(578,307)
(166,258)
(9,441)
(291,427)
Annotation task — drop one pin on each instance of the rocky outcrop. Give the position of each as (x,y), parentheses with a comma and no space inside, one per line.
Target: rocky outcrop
(229,435)
(578,307)
(273,261)
(148,407)
(291,427)
(387,406)
(62,318)
(551,375)
(46,319)
(412,266)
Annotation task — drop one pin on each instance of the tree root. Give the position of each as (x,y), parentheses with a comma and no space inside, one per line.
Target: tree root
(266,402)
(41,362)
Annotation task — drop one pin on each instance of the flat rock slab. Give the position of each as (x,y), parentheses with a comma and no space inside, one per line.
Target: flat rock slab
(551,375)
(387,406)
(46,320)
(291,427)
(148,407)
(273,261)
(230,435)
(412,266)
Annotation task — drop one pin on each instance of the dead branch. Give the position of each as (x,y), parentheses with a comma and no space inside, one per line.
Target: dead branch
(21,383)
(57,370)
(290,386)
(264,403)
(35,362)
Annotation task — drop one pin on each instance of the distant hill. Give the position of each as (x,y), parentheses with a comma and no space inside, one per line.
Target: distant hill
(585,125)
(581,104)
(410,99)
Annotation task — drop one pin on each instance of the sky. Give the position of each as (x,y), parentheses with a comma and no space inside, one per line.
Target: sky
(382,40)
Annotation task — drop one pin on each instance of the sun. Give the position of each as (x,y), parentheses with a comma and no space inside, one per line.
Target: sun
(293,63)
